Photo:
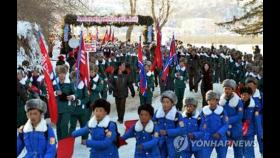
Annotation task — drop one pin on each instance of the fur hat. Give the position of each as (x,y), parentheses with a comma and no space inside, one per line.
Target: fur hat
(61,69)
(36,104)
(146,107)
(149,63)
(229,83)
(191,101)
(169,94)
(211,95)
(251,79)
(101,103)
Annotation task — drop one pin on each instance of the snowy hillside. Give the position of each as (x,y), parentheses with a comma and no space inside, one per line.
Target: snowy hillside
(27,43)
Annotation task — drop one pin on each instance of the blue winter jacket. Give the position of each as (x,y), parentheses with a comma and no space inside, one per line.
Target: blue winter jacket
(173,123)
(234,109)
(103,138)
(39,142)
(214,122)
(148,137)
(192,125)
(251,114)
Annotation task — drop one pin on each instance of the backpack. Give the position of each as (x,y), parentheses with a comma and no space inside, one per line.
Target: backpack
(117,140)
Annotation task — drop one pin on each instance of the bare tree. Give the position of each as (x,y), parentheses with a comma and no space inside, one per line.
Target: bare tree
(251,22)
(163,14)
(132,13)
(45,12)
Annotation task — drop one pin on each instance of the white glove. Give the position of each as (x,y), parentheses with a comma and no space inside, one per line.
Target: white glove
(79,102)
(181,77)
(94,86)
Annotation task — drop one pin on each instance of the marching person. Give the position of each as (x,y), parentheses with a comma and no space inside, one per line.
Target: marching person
(120,83)
(150,85)
(192,129)
(36,135)
(103,132)
(94,84)
(180,84)
(65,94)
(170,124)
(214,125)
(146,134)
(193,70)
(251,123)
(233,106)
(81,111)
(207,83)
(258,98)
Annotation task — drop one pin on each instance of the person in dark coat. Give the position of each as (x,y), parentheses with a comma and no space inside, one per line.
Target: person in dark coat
(207,83)
(71,60)
(120,83)
(193,69)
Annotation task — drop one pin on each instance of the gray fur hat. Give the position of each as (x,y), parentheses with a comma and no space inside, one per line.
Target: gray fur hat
(229,83)
(211,95)
(149,63)
(191,101)
(36,104)
(169,94)
(251,79)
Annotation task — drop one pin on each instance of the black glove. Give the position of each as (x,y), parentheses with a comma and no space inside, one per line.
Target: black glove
(133,95)
(63,97)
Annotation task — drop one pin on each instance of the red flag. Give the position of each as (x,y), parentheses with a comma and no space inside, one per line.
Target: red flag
(245,127)
(129,123)
(109,37)
(65,147)
(47,67)
(113,37)
(105,37)
(172,56)
(158,56)
(84,71)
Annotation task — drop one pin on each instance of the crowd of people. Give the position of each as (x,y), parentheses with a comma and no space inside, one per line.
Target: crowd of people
(236,115)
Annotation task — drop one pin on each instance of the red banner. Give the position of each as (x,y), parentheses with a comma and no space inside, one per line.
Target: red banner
(47,67)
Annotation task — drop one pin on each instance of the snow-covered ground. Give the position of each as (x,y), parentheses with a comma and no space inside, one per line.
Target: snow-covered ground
(127,151)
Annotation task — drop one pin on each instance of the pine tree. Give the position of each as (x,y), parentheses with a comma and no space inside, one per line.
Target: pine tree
(251,22)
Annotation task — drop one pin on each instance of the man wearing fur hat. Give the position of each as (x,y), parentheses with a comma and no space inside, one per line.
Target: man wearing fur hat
(214,122)
(36,135)
(65,93)
(233,106)
(192,128)
(170,123)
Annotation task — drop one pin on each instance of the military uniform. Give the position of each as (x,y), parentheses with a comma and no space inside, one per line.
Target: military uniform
(81,111)
(102,65)
(180,85)
(65,107)
(150,88)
